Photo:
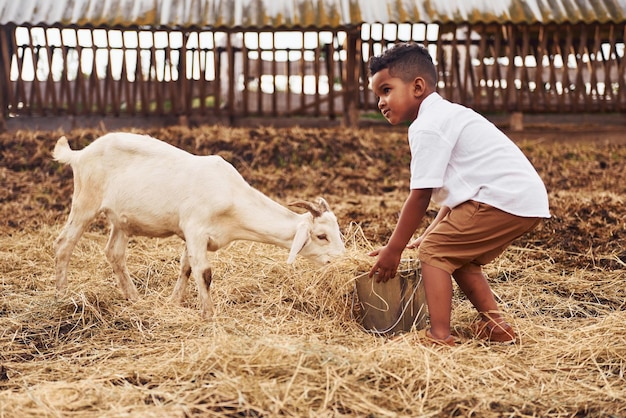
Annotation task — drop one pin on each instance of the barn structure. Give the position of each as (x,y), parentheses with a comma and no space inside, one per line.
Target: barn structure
(227,60)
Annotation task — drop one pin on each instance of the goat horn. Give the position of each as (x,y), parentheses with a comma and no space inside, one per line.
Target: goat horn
(315,211)
(323,205)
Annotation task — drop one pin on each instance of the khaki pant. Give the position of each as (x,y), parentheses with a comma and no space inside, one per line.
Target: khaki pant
(472,235)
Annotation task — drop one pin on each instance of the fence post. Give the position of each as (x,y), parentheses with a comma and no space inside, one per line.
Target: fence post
(6,52)
(351,86)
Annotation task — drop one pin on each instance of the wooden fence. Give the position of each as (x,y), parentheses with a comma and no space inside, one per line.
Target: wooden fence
(322,72)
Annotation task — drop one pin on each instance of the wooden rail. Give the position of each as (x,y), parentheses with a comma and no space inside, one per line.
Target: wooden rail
(319,72)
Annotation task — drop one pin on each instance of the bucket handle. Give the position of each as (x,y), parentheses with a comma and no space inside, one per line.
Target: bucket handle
(385,331)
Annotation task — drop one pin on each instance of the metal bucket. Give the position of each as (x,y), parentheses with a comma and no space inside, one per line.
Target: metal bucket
(395,306)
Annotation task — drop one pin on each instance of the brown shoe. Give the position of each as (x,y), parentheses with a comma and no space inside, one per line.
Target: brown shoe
(448,341)
(496,333)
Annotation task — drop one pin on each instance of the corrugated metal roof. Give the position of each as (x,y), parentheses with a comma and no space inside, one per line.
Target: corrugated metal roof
(276,13)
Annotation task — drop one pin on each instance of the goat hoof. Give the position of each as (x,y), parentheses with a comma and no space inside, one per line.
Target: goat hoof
(132,296)
(207,315)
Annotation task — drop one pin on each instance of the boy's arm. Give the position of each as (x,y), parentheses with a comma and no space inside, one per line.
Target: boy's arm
(440,215)
(410,218)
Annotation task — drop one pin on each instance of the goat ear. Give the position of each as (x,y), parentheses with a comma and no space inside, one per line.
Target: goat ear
(301,238)
(315,211)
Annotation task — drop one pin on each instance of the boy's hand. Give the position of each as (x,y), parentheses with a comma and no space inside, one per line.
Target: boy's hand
(416,243)
(410,217)
(387,264)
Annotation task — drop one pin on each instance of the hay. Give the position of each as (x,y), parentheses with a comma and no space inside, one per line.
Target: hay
(284,340)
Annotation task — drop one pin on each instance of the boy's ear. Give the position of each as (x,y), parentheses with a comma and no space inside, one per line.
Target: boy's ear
(419,87)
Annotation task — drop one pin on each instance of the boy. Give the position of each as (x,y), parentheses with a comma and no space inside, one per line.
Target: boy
(488,191)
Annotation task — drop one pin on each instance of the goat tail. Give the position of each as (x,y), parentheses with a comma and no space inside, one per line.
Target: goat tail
(62,151)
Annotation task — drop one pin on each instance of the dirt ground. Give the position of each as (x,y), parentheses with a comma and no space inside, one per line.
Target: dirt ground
(362,172)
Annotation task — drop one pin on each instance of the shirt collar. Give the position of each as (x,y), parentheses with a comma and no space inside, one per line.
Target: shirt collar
(429,100)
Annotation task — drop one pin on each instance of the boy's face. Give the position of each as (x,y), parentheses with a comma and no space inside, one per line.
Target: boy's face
(398,100)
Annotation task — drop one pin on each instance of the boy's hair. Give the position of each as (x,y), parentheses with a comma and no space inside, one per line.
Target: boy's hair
(406,61)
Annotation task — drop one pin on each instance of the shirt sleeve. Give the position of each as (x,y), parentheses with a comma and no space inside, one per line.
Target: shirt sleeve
(430,154)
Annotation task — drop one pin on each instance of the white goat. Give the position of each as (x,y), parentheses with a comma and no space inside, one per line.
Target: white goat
(147,187)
